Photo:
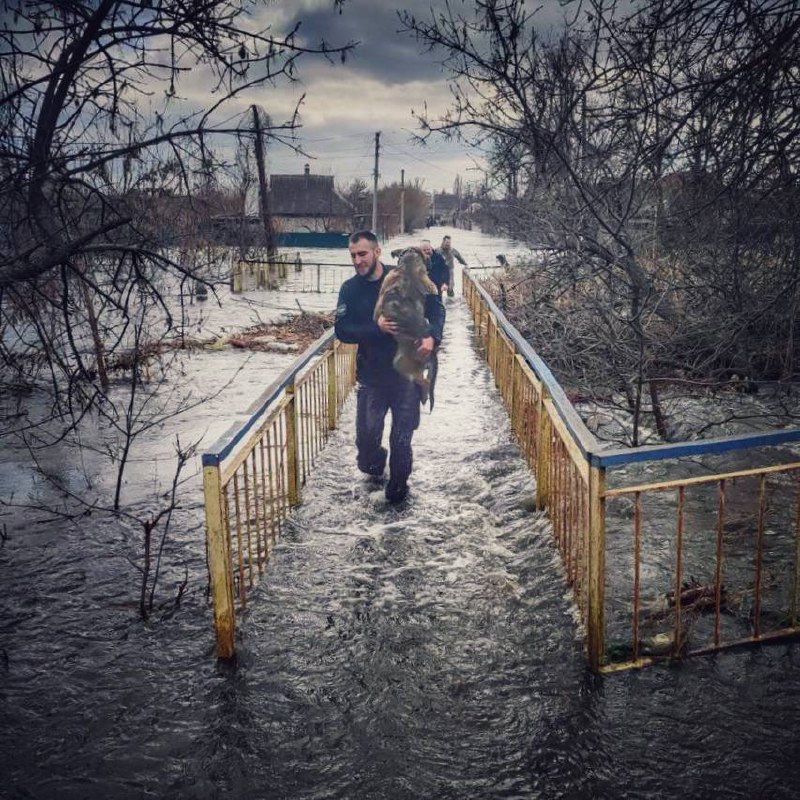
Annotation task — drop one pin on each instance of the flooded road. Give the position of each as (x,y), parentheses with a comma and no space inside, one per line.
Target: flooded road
(423,651)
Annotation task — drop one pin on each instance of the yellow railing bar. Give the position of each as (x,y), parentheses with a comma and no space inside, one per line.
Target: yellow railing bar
(597,568)
(294,428)
(236,461)
(575,454)
(722,476)
(570,468)
(220,564)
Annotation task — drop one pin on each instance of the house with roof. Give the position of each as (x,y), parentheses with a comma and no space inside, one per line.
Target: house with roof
(308,203)
(305,211)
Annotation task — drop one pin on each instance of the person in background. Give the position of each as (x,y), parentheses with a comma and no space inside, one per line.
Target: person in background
(437,267)
(380,387)
(449,253)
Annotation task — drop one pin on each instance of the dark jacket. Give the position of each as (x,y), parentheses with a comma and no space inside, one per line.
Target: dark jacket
(451,256)
(438,269)
(355,325)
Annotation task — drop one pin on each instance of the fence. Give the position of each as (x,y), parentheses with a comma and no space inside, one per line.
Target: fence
(289,275)
(253,474)
(701,559)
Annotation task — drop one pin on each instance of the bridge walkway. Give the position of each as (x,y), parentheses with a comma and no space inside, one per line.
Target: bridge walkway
(388,641)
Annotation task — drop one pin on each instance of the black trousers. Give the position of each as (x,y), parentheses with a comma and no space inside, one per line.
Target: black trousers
(402,399)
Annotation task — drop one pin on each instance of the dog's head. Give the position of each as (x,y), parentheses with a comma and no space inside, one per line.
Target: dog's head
(412,263)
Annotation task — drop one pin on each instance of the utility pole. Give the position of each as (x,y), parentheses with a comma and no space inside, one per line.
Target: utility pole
(402,201)
(263,195)
(375,186)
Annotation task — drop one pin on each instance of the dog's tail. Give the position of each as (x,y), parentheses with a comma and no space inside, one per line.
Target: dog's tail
(433,368)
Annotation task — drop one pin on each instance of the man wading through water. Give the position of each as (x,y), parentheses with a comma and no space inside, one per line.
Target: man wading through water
(437,267)
(380,387)
(450,255)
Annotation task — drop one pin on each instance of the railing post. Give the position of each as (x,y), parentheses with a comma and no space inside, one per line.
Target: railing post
(597,567)
(497,355)
(478,316)
(543,454)
(511,374)
(513,412)
(219,562)
(292,448)
(490,346)
(333,410)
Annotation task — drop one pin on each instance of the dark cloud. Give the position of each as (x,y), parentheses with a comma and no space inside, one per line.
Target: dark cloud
(392,75)
(385,52)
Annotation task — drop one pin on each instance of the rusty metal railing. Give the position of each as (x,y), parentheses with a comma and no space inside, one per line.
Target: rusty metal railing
(725,571)
(253,475)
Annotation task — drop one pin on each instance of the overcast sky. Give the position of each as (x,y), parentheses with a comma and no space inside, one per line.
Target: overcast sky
(383,80)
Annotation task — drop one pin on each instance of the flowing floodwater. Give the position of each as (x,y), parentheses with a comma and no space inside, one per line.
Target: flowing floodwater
(422,651)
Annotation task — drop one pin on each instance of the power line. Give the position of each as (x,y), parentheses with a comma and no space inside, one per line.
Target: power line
(364,136)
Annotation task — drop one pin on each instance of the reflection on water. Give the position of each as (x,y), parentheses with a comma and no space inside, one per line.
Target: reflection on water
(422,651)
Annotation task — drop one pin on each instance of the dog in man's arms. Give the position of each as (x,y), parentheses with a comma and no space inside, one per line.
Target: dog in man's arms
(402,300)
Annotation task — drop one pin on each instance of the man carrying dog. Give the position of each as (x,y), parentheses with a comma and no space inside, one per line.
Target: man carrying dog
(380,387)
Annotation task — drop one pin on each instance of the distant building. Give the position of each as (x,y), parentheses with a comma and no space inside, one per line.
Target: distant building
(306,211)
(445,208)
(308,203)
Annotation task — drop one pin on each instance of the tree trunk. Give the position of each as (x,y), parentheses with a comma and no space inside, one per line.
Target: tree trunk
(658,411)
(97,340)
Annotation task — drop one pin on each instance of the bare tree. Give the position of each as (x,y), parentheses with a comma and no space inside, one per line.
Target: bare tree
(359,195)
(108,175)
(75,80)
(152,561)
(652,154)
(416,203)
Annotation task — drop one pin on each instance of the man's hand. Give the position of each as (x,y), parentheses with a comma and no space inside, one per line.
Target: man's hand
(426,346)
(445,287)
(387,325)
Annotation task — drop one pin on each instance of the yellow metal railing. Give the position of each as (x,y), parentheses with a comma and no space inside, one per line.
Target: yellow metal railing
(749,591)
(253,476)
(725,569)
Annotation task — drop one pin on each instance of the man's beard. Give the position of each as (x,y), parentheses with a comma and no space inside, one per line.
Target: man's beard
(371,271)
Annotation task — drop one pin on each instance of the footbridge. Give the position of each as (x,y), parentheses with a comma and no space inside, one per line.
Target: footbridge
(666,551)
